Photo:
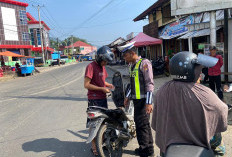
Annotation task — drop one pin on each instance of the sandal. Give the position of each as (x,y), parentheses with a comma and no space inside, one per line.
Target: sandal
(94,151)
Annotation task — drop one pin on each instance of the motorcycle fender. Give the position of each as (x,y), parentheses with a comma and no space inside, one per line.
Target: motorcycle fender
(94,126)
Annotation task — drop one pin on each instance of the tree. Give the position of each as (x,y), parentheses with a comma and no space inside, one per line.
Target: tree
(75,39)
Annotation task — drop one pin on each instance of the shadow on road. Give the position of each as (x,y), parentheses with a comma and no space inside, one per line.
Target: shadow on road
(60,148)
(230,117)
(78,134)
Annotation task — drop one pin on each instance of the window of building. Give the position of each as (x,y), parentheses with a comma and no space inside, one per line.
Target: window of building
(23,17)
(25,36)
(32,37)
(38,36)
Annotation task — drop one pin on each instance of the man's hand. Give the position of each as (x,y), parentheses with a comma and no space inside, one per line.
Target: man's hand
(149,108)
(110,86)
(126,102)
(105,90)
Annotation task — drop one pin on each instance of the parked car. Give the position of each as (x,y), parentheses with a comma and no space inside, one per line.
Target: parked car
(64,58)
(55,62)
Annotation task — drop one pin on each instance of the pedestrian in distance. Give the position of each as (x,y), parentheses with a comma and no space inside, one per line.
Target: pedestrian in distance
(95,76)
(215,73)
(142,86)
(186,112)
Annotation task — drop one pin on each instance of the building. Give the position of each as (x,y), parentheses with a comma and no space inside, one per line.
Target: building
(79,47)
(185,33)
(14,34)
(161,23)
(35,37)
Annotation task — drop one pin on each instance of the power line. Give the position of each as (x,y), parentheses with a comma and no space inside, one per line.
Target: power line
(90,18)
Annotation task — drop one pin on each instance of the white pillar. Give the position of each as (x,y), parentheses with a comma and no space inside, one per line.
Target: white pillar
(213,35)
(190,44)
(230,50)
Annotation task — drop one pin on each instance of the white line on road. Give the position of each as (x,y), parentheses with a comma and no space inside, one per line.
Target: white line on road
(44,91)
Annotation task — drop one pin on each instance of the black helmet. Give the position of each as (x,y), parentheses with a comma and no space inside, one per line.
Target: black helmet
(104,54)
(183,65)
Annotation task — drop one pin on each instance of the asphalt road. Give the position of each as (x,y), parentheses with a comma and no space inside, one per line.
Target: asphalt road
(44,115)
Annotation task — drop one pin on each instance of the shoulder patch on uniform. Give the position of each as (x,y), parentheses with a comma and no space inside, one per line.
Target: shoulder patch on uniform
(145,67)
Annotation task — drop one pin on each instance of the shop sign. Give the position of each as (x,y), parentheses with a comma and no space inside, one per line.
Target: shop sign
(176,28)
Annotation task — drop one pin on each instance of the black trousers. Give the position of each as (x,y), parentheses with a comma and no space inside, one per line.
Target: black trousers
(216,81)
(205,72)
(143,129)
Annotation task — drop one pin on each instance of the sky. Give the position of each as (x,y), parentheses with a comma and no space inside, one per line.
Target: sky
(100,22)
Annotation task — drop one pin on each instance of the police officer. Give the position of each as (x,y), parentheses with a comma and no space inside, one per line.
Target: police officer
(142,86)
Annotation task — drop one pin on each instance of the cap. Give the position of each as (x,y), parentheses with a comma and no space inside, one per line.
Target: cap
(212,48)
(126,47)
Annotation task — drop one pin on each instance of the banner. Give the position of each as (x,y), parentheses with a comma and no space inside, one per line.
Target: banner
(176,28)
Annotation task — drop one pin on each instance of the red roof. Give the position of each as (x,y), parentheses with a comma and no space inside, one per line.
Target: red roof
(78,44)
(29,16)
(37,22)
(34,21)
(14,2)
(144,40)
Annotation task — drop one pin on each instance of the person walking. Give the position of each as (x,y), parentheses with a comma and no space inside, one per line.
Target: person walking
(95,76)
(215,73)
(142,86)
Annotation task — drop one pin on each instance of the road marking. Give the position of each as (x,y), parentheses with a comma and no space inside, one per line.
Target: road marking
(44,91)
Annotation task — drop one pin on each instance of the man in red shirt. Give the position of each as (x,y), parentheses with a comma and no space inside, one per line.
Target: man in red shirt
(215,73)
(95,76)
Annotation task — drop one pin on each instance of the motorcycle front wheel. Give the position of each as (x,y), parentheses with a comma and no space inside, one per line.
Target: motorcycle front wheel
(107,144)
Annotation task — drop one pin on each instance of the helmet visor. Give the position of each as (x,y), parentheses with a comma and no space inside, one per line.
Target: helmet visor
(206,61)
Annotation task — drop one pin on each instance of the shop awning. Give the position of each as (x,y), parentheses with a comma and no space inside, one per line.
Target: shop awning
(144,40)
(10,54)
(197,33)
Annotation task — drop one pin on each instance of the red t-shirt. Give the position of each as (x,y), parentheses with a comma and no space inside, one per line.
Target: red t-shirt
(216,70)
(98,75)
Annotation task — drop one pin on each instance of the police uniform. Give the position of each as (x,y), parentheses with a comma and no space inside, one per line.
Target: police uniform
(142,87)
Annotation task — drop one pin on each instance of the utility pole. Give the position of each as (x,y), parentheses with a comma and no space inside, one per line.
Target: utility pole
(41,33)
(58,44)
(72,45)
(226,44)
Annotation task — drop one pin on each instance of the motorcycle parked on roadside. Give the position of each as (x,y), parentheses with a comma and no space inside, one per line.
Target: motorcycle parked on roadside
(159,67)
(112,128)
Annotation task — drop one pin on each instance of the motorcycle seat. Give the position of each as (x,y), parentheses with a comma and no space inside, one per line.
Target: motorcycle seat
(188,151)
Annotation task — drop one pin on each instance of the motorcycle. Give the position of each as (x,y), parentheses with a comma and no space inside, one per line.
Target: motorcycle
(159,67)
(112,128)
